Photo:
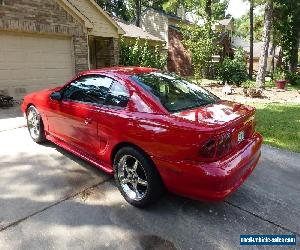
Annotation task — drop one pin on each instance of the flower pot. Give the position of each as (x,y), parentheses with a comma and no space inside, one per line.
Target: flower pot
(281,84)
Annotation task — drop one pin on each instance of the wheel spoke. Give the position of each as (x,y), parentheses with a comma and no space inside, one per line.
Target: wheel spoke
(134,186)
(124,180)
(135,165)
(142,182)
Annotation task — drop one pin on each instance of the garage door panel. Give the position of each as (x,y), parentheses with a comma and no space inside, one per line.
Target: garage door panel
(34,62)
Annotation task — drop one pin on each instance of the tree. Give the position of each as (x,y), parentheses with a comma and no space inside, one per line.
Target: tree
(208,9)
(202,49)
(260,79)
(219,9)
(242,28)
(213,9)
(138,12)
(287,29)
(251,38)
(117,8)
(131,9)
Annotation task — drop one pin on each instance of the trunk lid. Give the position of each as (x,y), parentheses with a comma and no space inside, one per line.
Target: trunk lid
(230,123)
(222,113)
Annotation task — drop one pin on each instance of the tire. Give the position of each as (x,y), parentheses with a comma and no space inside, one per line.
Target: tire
(35,125)
(137,178)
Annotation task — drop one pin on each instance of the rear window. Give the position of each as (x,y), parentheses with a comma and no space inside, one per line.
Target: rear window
(173,92)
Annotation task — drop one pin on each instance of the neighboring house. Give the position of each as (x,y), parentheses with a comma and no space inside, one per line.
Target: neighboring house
(132,33)
(239,42)
(165,27)
(225,28)
(225,25)
(44,43)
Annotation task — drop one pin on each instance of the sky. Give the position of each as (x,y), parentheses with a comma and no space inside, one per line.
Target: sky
(237,8)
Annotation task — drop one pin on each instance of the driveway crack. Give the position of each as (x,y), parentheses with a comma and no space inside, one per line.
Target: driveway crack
(262,218)
(67,197)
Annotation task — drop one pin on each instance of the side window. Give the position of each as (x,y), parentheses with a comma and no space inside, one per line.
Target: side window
(117,96)
(89,88)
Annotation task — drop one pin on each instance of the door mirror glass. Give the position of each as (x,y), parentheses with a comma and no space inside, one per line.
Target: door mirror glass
(56,96)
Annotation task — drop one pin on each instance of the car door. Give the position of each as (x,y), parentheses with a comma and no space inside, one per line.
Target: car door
(75,118)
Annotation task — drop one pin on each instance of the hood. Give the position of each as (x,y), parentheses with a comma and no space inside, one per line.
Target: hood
(220,113)
(41,95)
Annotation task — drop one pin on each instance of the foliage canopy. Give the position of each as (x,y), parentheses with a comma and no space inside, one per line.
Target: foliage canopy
(141,54)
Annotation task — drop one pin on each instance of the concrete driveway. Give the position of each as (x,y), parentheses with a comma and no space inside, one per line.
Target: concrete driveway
(50,199)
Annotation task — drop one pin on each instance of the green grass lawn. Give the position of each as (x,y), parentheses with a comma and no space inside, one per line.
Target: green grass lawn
(279,124)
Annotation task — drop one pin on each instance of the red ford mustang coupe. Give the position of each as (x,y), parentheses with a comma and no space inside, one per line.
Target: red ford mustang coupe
(153,130)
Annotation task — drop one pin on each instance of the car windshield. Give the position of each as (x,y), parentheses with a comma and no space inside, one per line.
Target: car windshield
(173,92)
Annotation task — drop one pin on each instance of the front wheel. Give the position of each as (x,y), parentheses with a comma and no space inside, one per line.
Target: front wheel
(35,125)
(137,178)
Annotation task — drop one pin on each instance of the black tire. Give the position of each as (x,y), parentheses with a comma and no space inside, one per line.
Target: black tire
(146,170)
(39,134)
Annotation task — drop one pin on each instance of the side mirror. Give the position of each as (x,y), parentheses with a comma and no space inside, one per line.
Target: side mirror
(56,96)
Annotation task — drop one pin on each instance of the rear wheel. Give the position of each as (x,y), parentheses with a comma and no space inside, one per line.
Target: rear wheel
(137,178)
(35,125)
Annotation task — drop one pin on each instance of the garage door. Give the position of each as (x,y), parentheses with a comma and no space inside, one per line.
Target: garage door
(29,63)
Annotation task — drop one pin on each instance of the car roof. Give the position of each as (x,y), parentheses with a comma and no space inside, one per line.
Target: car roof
(121,70)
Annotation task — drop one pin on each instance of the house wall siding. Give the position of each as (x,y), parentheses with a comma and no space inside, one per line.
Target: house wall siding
(156,24)
(46,17)
(102,27)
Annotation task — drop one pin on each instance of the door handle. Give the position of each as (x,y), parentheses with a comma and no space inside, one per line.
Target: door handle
(87,121)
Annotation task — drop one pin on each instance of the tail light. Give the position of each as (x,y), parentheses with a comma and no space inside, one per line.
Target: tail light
(216,147)
(208,150)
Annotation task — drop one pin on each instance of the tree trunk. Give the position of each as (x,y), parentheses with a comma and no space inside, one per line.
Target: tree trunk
(294,54)
(138,12)
(273,49)
(260,79)
(251,40)
(208,9)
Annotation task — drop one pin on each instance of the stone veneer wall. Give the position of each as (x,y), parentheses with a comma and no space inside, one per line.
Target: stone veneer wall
(45,17)
(114,49)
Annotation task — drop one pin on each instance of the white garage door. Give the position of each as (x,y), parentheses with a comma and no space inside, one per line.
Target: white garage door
(29,62)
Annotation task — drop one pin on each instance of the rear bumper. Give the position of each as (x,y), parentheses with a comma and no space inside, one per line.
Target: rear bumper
(212,181)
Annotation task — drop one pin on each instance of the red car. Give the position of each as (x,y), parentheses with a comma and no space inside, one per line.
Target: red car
(153,130)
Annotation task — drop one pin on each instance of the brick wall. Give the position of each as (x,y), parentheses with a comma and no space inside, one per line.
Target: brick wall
(179,59)
(45,17)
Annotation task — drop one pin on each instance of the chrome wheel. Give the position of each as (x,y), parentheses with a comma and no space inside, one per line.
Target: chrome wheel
(132,177)
(33,123)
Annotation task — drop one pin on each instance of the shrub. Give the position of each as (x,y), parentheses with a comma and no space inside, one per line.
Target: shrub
(233,71)
(292,78)
(141,54)
(249,84)
(279,74)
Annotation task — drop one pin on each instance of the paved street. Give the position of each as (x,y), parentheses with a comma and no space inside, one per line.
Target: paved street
(50,199)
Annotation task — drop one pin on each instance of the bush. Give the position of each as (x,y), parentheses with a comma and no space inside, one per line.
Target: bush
(141,54)
(249,84)
(292,78)
(233,71)
(279,74)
